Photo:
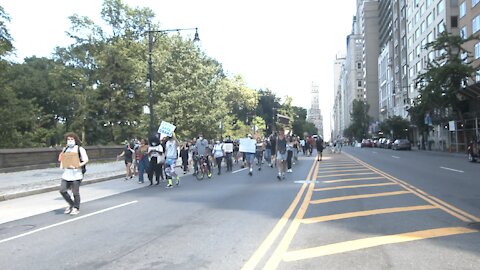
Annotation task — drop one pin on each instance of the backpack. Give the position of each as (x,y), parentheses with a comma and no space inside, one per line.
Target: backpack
(84,167)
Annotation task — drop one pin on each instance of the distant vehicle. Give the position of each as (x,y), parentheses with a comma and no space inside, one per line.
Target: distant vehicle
(473,151)
(367,143)
(388,144)
(400,144)
(381,142)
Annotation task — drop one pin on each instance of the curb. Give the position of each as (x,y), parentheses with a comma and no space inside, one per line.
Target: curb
(54,188)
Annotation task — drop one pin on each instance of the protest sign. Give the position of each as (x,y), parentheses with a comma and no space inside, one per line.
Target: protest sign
(247,145)
(166,129)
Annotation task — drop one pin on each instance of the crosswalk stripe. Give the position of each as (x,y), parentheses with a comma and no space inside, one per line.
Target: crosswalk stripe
(355,186)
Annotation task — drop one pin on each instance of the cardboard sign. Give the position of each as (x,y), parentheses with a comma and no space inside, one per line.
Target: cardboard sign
(70,159)
(166,129)
(247,145)
(228,147)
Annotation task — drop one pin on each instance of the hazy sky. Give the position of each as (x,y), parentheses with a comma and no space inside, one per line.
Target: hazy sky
(280,45)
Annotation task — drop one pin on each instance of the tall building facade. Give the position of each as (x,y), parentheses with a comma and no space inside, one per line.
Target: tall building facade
(368,14)
(337,112)
(315,114)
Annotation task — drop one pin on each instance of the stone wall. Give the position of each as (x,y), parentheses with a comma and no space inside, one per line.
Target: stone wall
(37,158)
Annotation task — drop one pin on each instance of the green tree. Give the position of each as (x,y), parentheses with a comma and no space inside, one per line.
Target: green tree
(439,95)
(360,120)
(396,126)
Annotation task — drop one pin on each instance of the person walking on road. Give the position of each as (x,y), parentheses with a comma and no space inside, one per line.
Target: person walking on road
(320,147)
(281,147)
(72,176)
(218,154)
(184,155)
(142,153)
(259,148)
(228,153)
(171,152)
(157,158)
(290,146)
(128,153)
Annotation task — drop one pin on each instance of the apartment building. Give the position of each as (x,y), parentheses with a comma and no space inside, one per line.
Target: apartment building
(337,116)
(368,14)
(426,19)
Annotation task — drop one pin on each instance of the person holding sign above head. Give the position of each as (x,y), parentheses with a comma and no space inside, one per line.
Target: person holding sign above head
(72,159)
(247,146)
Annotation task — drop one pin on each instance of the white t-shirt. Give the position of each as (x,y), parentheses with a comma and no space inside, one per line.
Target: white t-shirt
(75,174)
(218,150)
(171,150)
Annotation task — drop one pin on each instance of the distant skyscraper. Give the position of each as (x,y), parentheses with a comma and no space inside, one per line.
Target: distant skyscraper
(315,114)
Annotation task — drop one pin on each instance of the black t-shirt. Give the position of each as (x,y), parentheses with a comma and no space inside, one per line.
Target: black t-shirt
(282,145)
(319,143)
(128,153)
(273,141)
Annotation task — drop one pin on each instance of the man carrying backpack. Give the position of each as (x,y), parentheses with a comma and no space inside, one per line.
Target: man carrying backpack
(73,174)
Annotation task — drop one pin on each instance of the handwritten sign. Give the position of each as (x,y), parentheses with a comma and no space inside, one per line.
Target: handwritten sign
(247,145)
(166,129)
(228,147)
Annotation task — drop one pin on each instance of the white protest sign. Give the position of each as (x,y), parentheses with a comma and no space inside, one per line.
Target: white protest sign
(247,145)
(228,147)
(166,129)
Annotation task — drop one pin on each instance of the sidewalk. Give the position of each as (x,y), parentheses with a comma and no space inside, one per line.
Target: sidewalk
(25,183)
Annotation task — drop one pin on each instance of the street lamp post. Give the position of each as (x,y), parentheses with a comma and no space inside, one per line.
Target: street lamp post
(196,38)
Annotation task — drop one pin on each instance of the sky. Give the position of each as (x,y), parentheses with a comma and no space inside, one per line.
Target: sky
(281,45)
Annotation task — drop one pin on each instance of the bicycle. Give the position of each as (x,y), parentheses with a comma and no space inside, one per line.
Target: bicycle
(202,169)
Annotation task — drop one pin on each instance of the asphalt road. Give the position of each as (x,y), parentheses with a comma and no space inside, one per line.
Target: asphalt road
(362,209)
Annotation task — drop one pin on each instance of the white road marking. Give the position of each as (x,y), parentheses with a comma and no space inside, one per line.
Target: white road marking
(375,152)
(65,222)
(395,157)
(450,169)
(305,182)
(240,170)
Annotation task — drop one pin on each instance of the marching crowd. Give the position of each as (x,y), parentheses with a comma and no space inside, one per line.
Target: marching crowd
(158,158)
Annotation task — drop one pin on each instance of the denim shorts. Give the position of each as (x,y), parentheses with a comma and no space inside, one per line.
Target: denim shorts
(250,157)
(281,156)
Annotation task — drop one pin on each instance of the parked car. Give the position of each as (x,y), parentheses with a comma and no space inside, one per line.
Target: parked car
(367,143)
(400,144)
(388,144)
(381,142)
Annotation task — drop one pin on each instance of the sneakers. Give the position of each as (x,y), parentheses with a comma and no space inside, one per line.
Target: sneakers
(169,186)
(279,177)
(209,175)
(289,171)
(67,210)
(74,211)
(177,182)
(250,172)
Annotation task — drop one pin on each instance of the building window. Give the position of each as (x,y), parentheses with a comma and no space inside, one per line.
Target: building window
(429,2)
(454,21)
(359,65)
(440,7)
(477,50)
(463,9)
(417,33)
(418,49)
(475,2)
(476,24)
(417,17)
(424,43)
(410,42)
(440,27)
(422,27)
(430,37)
(410,26)
(422,10)
(410,57)
(463,32)
(359,83)
(429,19)
(431,56)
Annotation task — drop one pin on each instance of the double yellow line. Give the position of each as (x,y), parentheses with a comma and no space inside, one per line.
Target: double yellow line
(450,209)
(273,235)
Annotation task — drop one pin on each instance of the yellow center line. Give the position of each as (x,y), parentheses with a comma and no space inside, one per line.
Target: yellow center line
(344,174)
(362,196)
(452,210)
(367,213)
(372,242)
(350,170)
(282,247)
(267,243)
(353,179)
(355,186)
